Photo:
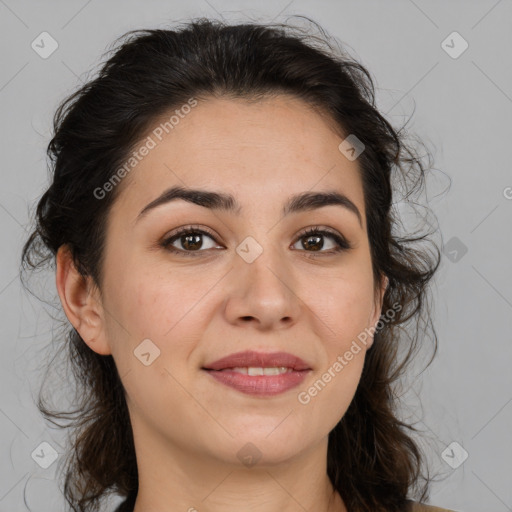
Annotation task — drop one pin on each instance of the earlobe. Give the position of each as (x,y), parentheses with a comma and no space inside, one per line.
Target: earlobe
(382,291)
(385,284)
(83,310)
(377,311)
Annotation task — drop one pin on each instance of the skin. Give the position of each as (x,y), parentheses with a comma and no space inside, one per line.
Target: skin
(188,428)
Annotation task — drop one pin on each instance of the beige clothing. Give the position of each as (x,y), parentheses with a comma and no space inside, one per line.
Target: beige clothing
(421,507)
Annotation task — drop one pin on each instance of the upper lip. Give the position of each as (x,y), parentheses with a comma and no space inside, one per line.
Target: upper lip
(253,359)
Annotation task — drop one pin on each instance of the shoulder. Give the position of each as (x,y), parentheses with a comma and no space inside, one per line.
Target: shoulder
(126,506)
(421,507)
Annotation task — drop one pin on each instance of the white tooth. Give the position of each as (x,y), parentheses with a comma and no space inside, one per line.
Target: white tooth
(240,370)
(255,371)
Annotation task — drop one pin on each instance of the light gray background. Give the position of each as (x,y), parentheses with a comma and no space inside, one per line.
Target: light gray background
(463,110)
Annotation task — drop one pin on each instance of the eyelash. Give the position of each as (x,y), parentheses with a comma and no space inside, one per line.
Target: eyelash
(342,242)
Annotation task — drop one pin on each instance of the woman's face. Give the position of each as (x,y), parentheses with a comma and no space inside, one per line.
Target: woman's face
(243,276)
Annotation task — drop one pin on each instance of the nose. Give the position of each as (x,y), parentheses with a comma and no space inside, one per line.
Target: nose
(262,293)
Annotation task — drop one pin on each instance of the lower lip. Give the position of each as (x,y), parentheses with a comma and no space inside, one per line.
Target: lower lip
(259,385)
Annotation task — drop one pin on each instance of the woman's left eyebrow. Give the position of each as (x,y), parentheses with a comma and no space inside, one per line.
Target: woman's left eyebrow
(304,201)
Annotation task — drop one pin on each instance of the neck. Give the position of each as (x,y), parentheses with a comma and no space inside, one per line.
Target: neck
(171,479)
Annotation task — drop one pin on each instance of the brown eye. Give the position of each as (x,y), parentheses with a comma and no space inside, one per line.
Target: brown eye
(313,240)
(187,241)
(192,241)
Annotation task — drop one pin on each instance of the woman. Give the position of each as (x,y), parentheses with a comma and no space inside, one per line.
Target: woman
(226,252)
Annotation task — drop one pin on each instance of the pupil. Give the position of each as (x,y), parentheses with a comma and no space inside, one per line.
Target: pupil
(317,241)
(313,242)
(191,245)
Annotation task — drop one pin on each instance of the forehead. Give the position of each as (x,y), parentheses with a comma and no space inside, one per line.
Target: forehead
(258,151)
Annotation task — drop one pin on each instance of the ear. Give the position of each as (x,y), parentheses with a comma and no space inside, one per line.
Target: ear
(81,302)
(377,306)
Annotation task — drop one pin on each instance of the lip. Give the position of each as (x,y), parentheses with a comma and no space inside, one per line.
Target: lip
(258,360)
(259,385)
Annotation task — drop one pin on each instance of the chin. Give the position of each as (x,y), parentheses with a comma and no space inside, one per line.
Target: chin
(266,443)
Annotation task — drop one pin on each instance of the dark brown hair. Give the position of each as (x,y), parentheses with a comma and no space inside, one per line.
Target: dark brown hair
(373,461)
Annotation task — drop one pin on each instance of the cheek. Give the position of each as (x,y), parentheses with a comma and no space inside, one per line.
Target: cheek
(152,304)
(329,395)
(344,310)
(345,306)
(154,330)
(170,311)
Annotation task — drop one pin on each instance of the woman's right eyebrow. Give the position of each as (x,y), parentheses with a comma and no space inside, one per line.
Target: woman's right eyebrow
(305,201)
